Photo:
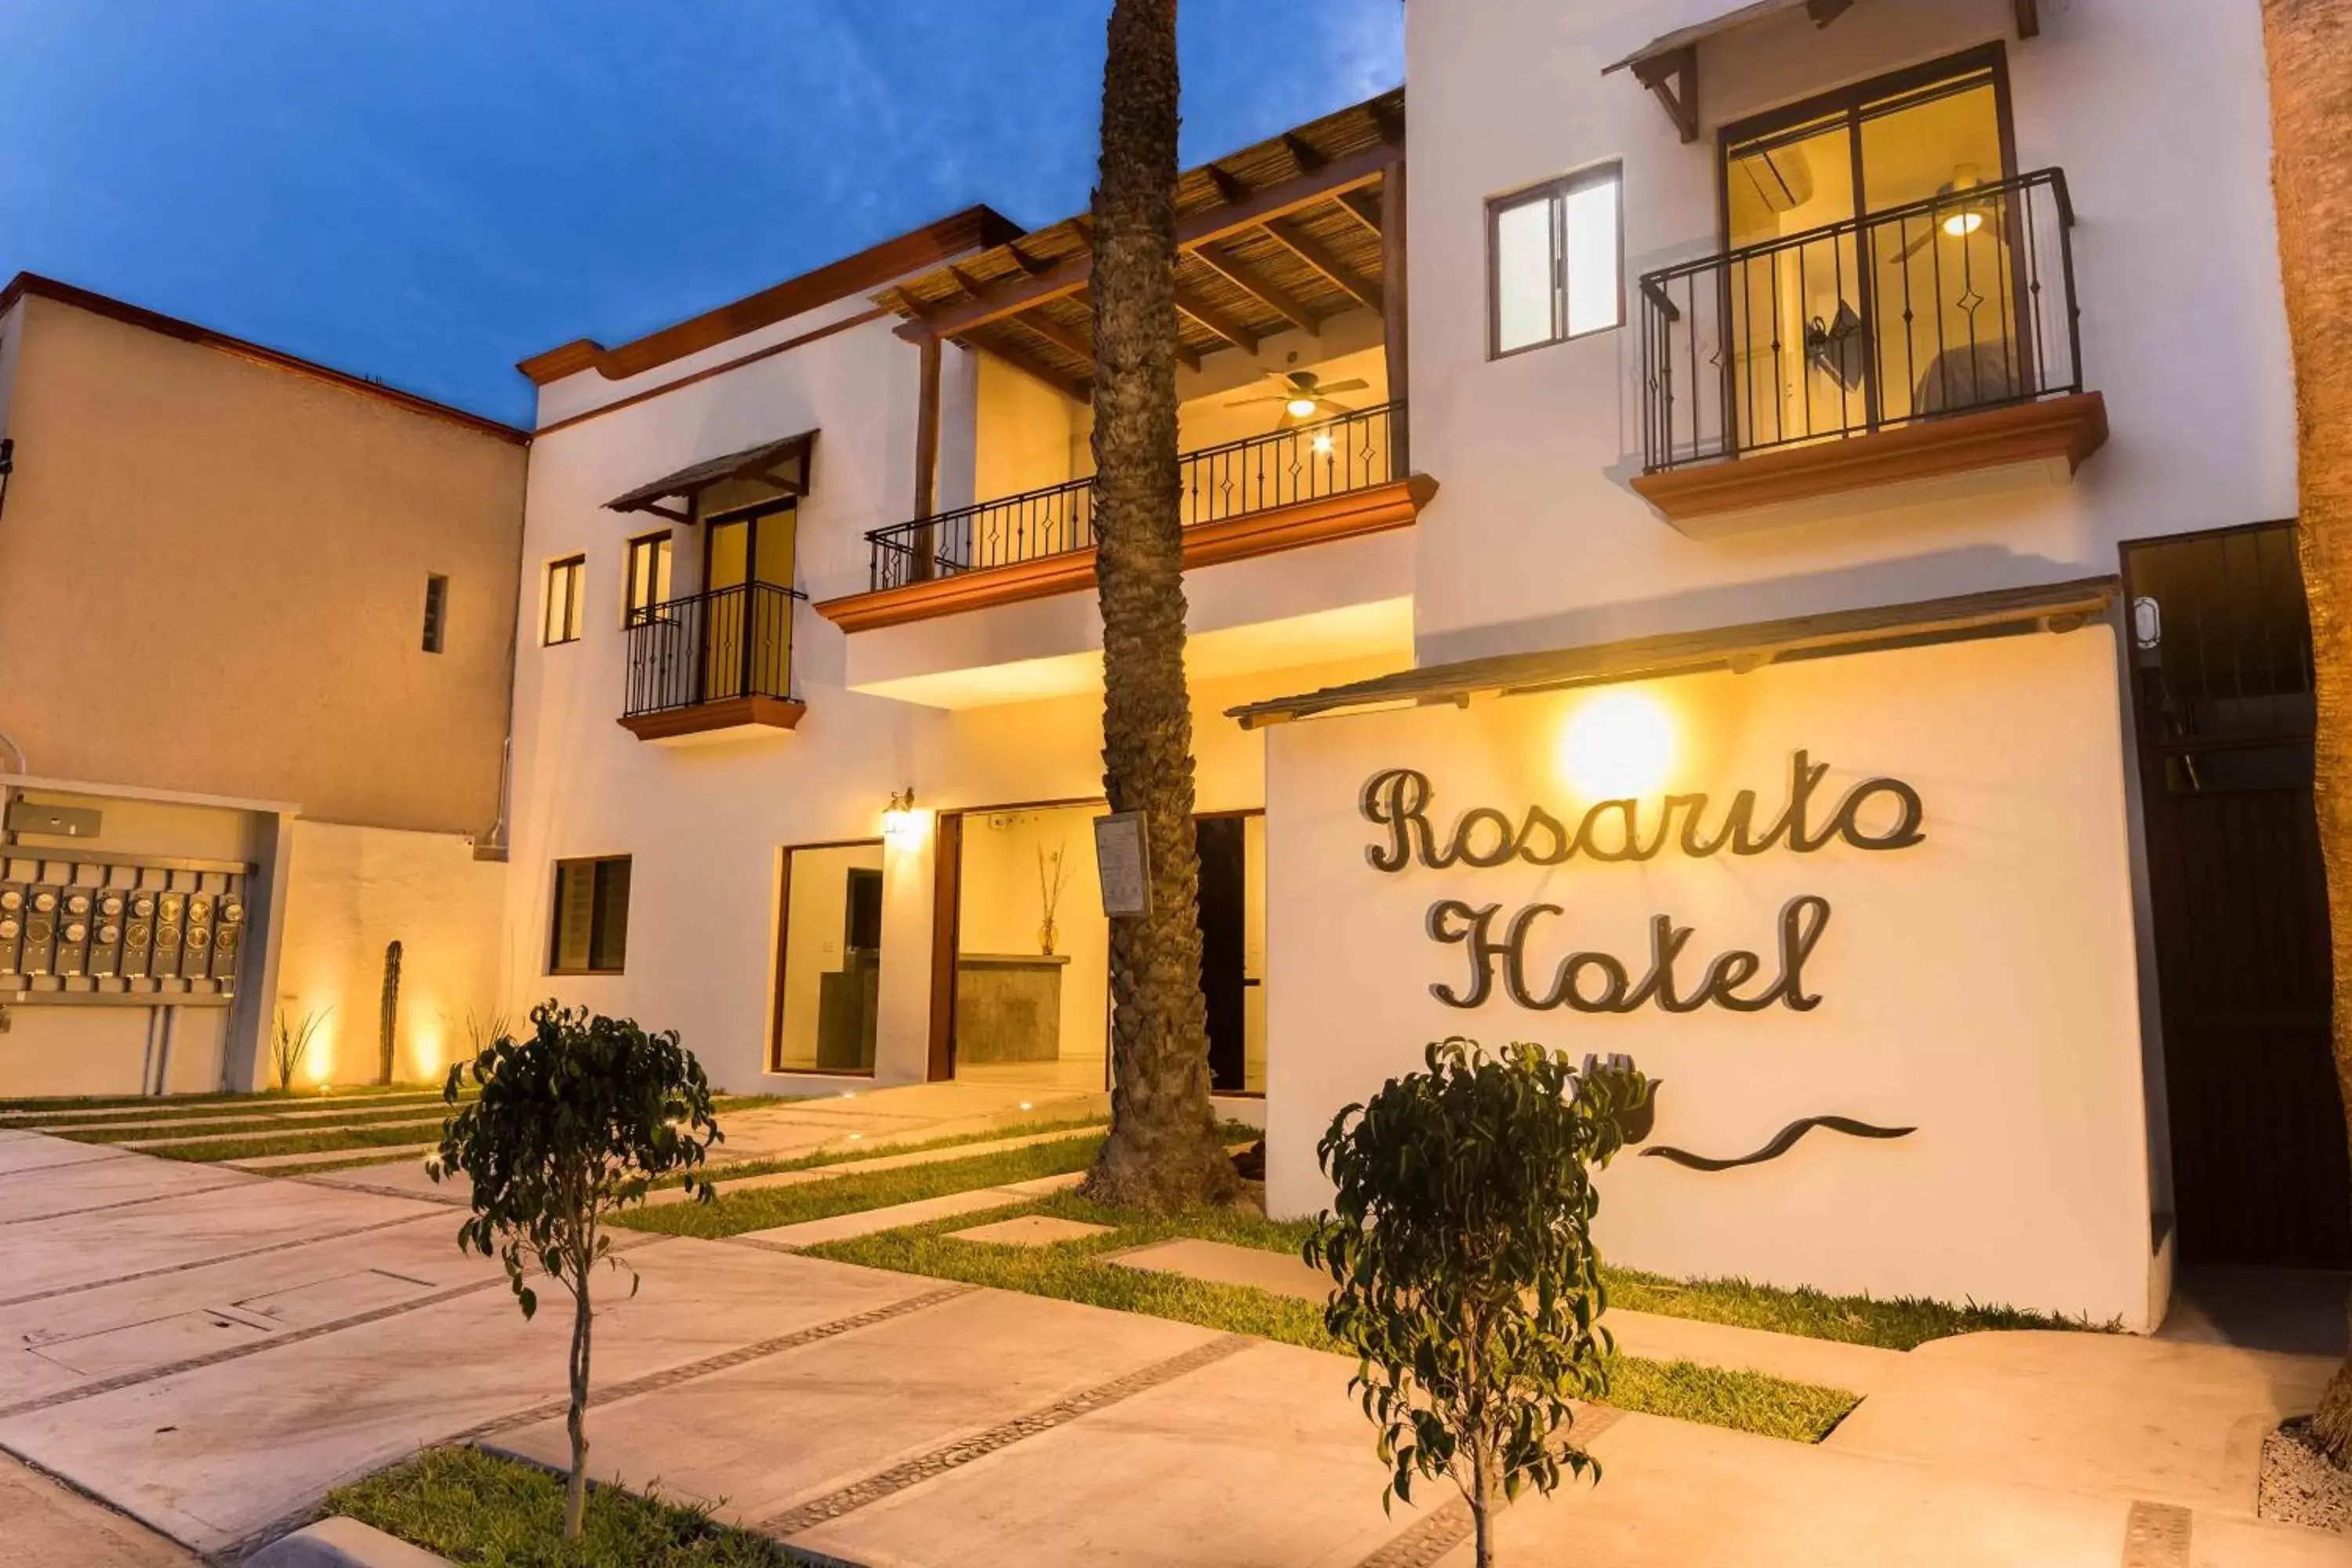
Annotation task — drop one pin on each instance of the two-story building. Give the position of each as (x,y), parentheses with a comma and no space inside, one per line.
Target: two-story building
(1826,627)
(255,637)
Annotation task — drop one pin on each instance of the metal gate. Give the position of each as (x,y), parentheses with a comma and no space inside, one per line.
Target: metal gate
(2221,683)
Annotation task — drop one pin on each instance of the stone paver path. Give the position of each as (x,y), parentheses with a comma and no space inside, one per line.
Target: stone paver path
(211,1360)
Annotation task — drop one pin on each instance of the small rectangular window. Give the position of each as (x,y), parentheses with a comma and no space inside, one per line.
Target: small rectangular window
(566,581)
(648,577)
(1556,261)
(436,612)
(591,933)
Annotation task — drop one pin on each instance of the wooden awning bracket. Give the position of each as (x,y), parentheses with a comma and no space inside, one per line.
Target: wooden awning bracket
(2029,18)
(1672,79)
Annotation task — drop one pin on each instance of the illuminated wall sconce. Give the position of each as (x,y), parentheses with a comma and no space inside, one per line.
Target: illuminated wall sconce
(1618,744)
(900,822)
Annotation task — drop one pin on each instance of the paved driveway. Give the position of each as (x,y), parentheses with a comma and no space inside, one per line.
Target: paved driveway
(210,1352)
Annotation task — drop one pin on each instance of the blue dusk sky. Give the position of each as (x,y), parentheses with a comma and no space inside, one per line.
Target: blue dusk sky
(426,191)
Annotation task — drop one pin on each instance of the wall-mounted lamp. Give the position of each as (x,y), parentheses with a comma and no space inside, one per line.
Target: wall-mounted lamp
(899,821)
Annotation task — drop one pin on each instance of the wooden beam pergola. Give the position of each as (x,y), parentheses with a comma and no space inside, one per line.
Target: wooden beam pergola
(1234,272)
(1009,296)
(1072,387)
(1365,207)
(1673,81)
(1216,320)
(1310,250)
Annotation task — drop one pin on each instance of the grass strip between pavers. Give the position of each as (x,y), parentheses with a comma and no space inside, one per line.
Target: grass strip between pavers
(325,1140)
(136,1131)
(478,1508)
(843,1154)
(76,1104)
(763,1208)
(1078,1271)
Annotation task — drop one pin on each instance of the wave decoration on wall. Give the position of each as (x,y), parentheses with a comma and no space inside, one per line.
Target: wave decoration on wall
(1782,1142)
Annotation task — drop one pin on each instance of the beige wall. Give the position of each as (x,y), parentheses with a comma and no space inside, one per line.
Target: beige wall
(349,892)
(212,578)
(1001,906)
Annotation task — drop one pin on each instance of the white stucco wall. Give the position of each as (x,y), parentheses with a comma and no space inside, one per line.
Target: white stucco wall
(1979,985)
(349,892)
(2155,109)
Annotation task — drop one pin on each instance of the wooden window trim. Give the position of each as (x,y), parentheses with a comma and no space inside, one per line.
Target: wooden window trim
(436,612)
(783,937)
(561,567)
(1556,192)
(555,966)
(631,612)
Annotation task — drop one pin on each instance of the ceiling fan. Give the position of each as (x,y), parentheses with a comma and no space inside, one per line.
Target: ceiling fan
(1304,396)
(1958,222)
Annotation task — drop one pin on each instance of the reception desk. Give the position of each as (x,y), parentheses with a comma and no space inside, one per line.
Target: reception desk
(1008,1007)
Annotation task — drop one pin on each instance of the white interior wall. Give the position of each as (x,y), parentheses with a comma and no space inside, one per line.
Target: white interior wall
(1001,906)
(819,885)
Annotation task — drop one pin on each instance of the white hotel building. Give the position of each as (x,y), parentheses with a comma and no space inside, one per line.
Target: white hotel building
(1883,406)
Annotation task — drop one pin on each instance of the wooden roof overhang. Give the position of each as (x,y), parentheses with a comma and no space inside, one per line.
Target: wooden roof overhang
(1668,64)
(2052,606)
(784,464)
(1275,238)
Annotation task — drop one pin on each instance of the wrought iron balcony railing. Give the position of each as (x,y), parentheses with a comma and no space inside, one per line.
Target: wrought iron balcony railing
(1959,303)
(710,647)
(1308,462)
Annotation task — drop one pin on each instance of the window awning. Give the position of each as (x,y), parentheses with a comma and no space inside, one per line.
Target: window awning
(1715,17)
(784,464)
(2054,607)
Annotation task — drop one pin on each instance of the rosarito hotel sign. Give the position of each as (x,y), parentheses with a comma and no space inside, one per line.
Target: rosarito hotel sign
(1868,918)
(1400,800)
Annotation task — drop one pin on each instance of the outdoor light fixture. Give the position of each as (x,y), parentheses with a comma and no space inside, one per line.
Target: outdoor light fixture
(898,821)
(1618,745)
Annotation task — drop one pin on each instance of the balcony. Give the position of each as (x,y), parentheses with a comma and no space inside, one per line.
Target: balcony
(1336,479)
(1919,351)
(713,665)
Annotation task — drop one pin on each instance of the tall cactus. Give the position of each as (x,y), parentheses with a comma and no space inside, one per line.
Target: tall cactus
(388,1022)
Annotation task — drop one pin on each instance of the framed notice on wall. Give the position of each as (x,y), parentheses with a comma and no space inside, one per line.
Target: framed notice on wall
(1123,862)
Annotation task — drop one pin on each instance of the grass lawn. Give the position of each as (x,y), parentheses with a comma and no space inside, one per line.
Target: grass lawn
(488,1512)
(847,1153)
(275,1098)
(124,1130)
(1898,1323)
(367,1129)
(762,1208)
(1078,1271)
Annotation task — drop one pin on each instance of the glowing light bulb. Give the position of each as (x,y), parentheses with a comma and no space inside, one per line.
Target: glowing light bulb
(1322,443)
(1962,224)
(1301,407)
(1618,745)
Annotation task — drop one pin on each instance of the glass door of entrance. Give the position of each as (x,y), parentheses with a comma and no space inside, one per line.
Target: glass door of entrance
(1873,263)
(747,615)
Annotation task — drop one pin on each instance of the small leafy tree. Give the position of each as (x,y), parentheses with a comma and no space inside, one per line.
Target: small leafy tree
(289,1042)
(1460,1242)
(572,1124)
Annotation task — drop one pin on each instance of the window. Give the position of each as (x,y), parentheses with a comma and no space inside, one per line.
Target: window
(566,581)
(1554,261)
(592,917)
(436,612)
(648,575)
(829,959)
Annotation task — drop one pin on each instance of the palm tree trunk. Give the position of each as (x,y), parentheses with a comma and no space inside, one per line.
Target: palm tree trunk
(1162,1152)
(2310,48)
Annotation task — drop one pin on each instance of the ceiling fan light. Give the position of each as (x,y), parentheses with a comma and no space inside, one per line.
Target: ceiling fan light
(1300,407)
(1964,223)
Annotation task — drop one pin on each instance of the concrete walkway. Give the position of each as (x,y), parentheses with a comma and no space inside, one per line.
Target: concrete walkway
(211,1360)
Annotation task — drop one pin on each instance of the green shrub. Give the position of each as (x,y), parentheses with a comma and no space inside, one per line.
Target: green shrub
(1459,1239)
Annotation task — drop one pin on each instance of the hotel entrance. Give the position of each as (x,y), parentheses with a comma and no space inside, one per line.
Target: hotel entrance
(2222,688)
(1020,985)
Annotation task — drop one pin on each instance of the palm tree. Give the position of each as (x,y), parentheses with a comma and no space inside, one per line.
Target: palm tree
(1162,1152)
(2310,48)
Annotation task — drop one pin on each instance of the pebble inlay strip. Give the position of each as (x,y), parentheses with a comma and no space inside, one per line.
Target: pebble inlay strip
(1427,1541)
(939,1461)
(290,1337)
(320,1240)
(688,1371)
(236,1179)
(2156,1535)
